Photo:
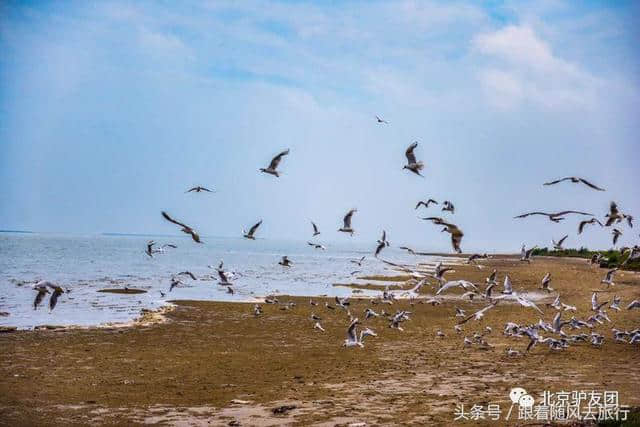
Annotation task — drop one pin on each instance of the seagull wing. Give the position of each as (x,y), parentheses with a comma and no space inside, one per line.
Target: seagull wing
(347,218)
(562,240)
(254,228)
(276,160)
(168,218)
(587,183)
(411,158)
(557,181)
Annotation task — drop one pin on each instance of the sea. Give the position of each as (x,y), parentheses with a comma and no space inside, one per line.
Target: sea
(84,265)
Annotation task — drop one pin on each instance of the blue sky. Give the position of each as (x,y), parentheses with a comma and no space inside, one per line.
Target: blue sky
(110,110)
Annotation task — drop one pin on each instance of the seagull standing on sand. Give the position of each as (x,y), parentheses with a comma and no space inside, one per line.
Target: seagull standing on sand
(575,180)
(185,228)
(346,227)
(252,230)
(271,169)
(412,164)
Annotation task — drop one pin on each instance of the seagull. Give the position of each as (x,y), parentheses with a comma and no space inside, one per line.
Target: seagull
(473,257)
(614,214)
(616,235)
(478,314)
(357,261)
(185,228)
(440,334)
(315,229)
(41,287)
(558,245)
(575,180)
(408,249)
(634,254)
(316,245)
(252,231)
(230,290)
(513,353)
(149,250)
(379,248)
(448,206)
(492,277)
(383,239)
(412,164)
(456,236)
(224,280)
(546,281)
(588,221)
(257,310)
(368,313)
(466,285)
(352,335)
(285,262)
(271,169)
(525,255)
(527,303)
(379,120)
(634,304)
(187,273)
(174,282)
(595,306)
(460,312)
(615,305)
(555,217)
(346,228)
(53,299)
(318,326)
(629,219)
(508,289)
(426,204)
(198,189)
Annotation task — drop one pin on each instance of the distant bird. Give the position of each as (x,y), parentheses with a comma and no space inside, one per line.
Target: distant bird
(508,288)
(464,284)
(352,335)
(316,245)
(174,282)
(448,206)
(558,245)
(405,248)
(555,217)
(149,250)
(318,326)
(185,228)
(629,219)
(230,290)
(271,169)
(478,314)
(285,262)
(425,204)
(315,229)
(634,304)
(614,215)
(198,189)
(187,273)
(608,278)
(379,120)
(575,180)
(615,304)
(525,255)
(252,231)
(616,235)
(412,164)
(527,303)
(473,257)
(383,239)
(41,287)
(346,228)
(358,261)
(588,221)
(546,282)
(224,280)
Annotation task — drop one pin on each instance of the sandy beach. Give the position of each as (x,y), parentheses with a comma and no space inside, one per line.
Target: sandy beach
(214,363)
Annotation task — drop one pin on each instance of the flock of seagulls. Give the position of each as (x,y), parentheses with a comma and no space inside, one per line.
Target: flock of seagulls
(556,337)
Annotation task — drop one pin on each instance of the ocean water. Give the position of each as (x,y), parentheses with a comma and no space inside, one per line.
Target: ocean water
(86,264)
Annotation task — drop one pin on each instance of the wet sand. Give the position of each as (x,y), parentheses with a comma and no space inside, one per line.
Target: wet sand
(215,363)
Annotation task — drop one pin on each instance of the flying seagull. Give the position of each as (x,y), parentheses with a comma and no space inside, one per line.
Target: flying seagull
(426,204)
(271,169)
(555,217)
(315,229)
(198,189)
(252,231)
(456,236)
(408,249)
(616,235)
(379,120)
(412,164)
(448,206)
(149,250)
(608,278)
(614,214)
(587,221)
(525,255)
(53,299)
(478,314)
(575,180)
(41,287)
(346,228)
(546,281)
(185,228)
(316,245)
(285,262)
(558,245)
(358,261)
(595,306)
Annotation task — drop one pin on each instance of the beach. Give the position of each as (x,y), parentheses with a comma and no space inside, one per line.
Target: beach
(216,363)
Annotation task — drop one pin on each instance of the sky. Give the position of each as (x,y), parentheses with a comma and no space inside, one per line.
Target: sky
(111,110)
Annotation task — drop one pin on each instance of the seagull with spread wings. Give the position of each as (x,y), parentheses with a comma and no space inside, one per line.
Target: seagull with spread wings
(587,221)
(271,169)
(315,229)
(381,121)
(426,204)
(198,189)
(413,165)
(185,228)
(558,245)
(614,215)
(555,217)
(346,227)
(575,180)
(252,230)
